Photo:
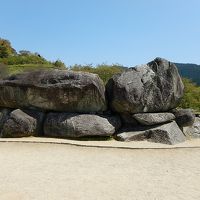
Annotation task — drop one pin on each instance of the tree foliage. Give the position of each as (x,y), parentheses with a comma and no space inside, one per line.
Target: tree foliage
(8,56)
(191,98)
(6,49)
(59,64)
(23,59)
(104,71)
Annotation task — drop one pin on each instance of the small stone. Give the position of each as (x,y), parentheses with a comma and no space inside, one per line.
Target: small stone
(194,130)
(184,117)
(153,118)
(19,124)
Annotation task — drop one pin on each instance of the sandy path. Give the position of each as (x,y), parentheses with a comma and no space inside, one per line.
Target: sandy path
(59,172)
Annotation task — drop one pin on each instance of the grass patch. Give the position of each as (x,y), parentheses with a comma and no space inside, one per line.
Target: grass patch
(15,69)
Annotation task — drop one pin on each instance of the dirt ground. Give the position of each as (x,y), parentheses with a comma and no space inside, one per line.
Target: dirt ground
(59,172)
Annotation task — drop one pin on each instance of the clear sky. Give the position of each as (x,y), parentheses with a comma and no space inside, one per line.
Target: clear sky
(127,32)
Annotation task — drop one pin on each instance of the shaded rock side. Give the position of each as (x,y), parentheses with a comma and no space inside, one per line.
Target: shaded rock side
(128,120)
(153,118)
(57,90)
(39,117)
(184,117)
(67,125)
(19,124)
(166,134)
(194,130)
(155,87)
(4,114)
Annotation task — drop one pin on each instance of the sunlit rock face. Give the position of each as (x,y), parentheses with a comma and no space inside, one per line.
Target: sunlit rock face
(55,90)
(154,87)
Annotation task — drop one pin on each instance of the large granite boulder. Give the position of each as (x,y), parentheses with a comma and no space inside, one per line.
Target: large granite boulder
(184,117)
(153,118)
(154,87)
(57,90)
(168,133)
(68,125)
(193,131)
(19,124)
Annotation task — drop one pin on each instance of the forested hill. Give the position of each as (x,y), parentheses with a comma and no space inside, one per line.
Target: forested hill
(191,71)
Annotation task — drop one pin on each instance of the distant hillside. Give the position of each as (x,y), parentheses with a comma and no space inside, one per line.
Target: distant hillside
(191,71)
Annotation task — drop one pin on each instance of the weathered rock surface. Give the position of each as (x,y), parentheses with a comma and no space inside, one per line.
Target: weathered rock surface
(132,134)
(153,118)
(19,124)
(4,114)
(78,125)
(155,87)
(57,90)
(184,117)
(167,134)
(194,130)
(39,117)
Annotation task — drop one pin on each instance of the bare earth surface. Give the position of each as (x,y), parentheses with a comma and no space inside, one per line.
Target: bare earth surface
(32,171)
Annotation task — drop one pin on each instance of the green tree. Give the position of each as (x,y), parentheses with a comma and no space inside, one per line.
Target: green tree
(59,64)
(6,49)
(191,98)
(104,71)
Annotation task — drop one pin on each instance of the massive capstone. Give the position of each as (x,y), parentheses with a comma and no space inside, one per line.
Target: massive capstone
(154,87)
(55,90)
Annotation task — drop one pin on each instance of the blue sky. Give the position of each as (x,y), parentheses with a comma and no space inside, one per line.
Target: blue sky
(127,32)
